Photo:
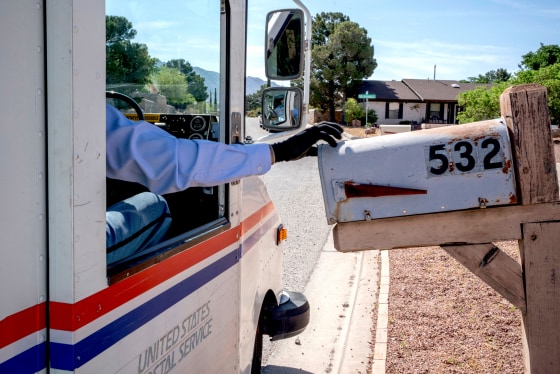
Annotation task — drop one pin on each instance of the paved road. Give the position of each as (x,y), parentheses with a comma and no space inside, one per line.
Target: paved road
(295,188)
(341,287)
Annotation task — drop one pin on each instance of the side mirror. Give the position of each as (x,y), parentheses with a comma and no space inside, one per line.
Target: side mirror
(284,44)
(281,108)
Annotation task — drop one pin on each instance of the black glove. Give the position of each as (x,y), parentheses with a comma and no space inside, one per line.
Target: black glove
(301,144)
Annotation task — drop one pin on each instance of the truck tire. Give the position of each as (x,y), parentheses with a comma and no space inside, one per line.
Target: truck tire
(257,351)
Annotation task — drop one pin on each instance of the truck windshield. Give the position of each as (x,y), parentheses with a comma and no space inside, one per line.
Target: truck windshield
(165,54)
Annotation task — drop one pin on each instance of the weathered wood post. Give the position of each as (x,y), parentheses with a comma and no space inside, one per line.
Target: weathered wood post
(525,110)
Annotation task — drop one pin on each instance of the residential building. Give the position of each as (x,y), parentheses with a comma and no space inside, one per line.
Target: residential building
(415,100)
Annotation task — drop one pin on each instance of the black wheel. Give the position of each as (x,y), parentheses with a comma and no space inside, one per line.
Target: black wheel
(257,352)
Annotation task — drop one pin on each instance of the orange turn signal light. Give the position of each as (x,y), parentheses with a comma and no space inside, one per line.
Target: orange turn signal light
(281,234)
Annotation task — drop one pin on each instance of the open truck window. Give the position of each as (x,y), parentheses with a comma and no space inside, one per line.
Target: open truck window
(165,57)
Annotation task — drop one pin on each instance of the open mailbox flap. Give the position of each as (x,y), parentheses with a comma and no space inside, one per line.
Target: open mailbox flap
(445,169)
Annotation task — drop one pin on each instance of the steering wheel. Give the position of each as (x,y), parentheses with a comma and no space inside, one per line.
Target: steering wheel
(127,99)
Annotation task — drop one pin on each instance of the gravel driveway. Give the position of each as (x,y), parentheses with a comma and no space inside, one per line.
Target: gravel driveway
(444,319)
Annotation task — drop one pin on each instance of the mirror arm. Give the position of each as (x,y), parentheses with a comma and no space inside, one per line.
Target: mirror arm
(307,61)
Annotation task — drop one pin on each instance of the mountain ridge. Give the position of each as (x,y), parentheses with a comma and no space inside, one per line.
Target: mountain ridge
(212,81)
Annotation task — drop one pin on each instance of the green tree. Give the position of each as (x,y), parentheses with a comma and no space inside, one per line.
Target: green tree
(118,29)
(542,67)
(253,101)
(129,64)
(196,84)
(481,103)
(342,57)
(546,55)
(549,77)
(371,117)
(172,84)
(353,110)
(501,75)
(493,76)
(323,26)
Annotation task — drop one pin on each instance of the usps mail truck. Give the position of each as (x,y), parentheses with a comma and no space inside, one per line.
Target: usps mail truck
(201,300)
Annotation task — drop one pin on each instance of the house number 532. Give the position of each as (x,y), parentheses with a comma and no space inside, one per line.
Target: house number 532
(464,156)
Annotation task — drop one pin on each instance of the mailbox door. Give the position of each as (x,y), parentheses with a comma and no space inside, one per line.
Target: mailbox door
(453,168)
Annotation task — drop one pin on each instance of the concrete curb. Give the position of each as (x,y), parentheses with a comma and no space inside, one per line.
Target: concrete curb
(380,351)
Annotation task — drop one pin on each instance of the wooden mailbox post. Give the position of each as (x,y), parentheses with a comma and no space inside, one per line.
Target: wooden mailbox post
(467,235)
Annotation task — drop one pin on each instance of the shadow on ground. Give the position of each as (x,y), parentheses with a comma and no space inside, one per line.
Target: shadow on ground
(274,369)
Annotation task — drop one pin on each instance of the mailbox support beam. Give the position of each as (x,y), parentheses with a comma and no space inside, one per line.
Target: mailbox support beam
(525,110)
(458,227)
(541,260)
(493,266)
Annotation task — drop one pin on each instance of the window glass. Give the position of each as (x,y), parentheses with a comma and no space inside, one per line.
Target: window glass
(165,55)
(393,112)
(435,111)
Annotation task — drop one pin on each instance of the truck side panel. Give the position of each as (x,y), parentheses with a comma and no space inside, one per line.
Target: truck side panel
(76,147)
(261,268)
(179,314)
(23,214)
(195,306)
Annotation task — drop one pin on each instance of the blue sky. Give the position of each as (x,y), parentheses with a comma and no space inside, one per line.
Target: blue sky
(462,38)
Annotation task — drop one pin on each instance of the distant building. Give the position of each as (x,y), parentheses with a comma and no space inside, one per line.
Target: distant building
(415,100)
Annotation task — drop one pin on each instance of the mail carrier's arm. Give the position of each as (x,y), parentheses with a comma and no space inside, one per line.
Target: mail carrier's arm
(143,153)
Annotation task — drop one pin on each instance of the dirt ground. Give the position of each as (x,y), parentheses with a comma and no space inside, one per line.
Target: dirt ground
(444,319)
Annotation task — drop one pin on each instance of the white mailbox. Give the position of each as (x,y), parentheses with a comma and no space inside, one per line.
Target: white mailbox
(444,169)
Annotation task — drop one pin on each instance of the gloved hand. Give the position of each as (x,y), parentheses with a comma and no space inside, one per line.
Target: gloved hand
(302,144)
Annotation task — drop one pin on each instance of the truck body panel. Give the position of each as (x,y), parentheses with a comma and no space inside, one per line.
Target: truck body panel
(195,304)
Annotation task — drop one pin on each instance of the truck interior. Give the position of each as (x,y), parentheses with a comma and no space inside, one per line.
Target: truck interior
(174,97)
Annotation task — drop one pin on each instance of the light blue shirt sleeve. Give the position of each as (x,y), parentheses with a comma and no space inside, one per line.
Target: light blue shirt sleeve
(143,153)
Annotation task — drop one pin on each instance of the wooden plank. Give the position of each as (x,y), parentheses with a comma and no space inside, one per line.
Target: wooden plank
(469,226)
(541,263)
(495,267)
(525,111)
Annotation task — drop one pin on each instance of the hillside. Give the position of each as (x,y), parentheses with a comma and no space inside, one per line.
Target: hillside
(212,80)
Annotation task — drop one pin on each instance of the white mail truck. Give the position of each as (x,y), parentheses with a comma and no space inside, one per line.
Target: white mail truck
(201,300)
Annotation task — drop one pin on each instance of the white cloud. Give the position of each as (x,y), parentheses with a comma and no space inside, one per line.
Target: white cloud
(150,26)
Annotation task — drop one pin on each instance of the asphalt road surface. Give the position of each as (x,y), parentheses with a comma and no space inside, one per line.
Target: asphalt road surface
(295,188)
